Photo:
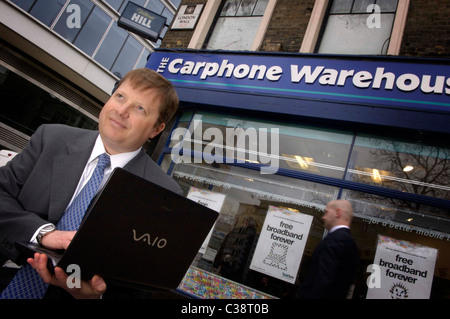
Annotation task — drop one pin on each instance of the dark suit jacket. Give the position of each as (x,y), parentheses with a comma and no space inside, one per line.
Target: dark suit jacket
(37,184)
(333,267)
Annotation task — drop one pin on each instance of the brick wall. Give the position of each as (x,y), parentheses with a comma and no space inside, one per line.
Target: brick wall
(427,31)
(288,25)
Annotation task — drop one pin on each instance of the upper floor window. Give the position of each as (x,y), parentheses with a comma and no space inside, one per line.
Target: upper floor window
(94,30)
(237,24)
(358,27)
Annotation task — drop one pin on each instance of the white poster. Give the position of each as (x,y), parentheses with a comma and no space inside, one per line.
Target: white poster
(187,16)
(281,243)
(404,270)
(209,199)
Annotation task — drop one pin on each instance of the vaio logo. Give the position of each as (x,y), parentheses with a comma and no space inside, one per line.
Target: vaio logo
(156,242)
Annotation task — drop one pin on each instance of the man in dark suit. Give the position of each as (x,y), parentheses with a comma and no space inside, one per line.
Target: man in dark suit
(38,185)
(335,260)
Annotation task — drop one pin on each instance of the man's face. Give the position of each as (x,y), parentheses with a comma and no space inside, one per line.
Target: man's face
(128,119)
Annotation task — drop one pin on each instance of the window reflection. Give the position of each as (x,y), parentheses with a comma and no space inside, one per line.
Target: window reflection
(24,4)
(322,152)
(92,31)
(111,46)
(47,11)
(155,5)
(115,4)
(127,57)
(407,167)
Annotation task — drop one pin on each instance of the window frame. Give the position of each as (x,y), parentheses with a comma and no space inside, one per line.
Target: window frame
(319,17)
(208,19)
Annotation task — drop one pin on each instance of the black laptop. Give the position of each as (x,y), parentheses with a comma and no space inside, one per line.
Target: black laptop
(135,233)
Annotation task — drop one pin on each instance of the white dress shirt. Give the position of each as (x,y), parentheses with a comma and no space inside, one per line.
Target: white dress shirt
(118,160)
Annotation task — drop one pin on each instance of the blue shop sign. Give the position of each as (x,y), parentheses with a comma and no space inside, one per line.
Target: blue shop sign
(398,83)
(141,21)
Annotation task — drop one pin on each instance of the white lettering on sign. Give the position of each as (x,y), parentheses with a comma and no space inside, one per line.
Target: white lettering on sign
(225,69)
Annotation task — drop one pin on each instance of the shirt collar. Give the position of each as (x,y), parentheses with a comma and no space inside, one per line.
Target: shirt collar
(118,160)
(338,227)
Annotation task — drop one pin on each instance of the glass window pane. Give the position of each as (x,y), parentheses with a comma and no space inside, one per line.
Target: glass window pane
(341,6)
(260,7)
(46,11)
(387,5)
(156,6)
(127,57)
(360,6)
(115,4)
(92,32)
(234,33)
(143,60)
(408,167)
(404,221)
(349,34)
(69,33)
(24,4)
(244,199)
(167,14)
(246,8)
(408,214)
(138,2)
(321,152)
(111,46)
(230,8)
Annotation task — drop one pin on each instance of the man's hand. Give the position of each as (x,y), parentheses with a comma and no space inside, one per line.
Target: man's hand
(91,289)
(57,239)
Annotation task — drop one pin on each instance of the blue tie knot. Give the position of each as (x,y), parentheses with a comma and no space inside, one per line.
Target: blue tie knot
(103,160)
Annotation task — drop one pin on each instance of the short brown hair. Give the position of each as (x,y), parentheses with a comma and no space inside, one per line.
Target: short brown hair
(144,79)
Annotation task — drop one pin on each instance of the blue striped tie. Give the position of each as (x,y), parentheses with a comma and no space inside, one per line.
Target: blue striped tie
(27,284)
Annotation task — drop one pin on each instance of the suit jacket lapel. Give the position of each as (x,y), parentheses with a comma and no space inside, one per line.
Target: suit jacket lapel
(66,173)
(137,165)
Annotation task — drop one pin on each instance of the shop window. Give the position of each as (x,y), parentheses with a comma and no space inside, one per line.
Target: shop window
(415,232)
(301,148)
(237,25)
(243,258)
(408,167)
(243,247)
(358,27)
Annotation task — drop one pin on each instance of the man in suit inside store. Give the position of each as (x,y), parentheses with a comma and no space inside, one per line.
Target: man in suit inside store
(335,260)
(39,184)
